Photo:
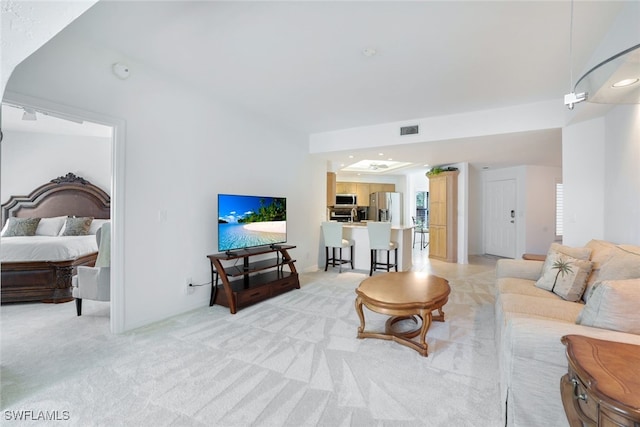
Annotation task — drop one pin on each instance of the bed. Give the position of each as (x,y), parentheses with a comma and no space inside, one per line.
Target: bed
(40,268)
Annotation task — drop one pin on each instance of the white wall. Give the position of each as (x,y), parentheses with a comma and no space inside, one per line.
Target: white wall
(622,176)
(519,118)
(182,148)
(540,206)
(583,177)
(602,178)
(31,159)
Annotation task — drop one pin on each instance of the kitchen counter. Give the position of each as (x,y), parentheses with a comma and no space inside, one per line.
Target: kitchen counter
(357,231)
(364,224)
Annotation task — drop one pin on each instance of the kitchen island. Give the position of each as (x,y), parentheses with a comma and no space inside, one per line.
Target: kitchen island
(357,231)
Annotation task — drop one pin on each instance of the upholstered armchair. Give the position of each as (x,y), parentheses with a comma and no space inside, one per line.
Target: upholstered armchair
(94,283)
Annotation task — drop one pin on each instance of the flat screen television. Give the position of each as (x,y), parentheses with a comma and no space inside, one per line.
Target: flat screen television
(250,221)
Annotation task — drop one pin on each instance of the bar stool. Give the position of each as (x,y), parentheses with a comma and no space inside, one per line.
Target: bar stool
(332,232)
(419,228)
(380,240)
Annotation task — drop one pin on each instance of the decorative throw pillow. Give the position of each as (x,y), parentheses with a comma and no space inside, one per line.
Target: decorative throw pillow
(50,226)
(613,305)
(20,227)
(76,226)
(564,275)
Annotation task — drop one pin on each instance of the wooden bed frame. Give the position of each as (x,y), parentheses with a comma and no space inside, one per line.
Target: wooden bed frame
(50,281)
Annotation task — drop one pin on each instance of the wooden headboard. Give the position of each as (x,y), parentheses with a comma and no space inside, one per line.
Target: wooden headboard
(62,196)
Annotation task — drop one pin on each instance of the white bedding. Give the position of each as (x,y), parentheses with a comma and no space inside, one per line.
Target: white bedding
(46,248)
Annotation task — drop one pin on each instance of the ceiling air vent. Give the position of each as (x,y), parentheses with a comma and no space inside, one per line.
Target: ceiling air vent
(409,130)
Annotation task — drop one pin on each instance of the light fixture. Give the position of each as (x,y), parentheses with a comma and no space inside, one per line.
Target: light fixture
(625,82)
(29,114)
(613,80)
(572,98)
(609,82)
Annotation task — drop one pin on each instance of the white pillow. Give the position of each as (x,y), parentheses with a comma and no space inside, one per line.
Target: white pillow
(96,224)
(613,305)
(50,226)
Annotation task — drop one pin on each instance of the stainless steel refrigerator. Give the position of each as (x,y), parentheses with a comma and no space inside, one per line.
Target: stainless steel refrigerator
(386,206)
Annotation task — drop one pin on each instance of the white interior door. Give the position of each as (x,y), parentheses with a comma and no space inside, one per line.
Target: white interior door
(500,218)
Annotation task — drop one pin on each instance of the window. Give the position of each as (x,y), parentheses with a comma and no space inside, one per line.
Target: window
(559,210)
(422,207)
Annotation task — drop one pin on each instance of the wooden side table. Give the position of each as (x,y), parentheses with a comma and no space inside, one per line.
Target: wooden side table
(602,387)
(534,257)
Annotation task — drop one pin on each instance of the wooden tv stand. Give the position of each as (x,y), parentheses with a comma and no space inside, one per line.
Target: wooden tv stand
(251,282)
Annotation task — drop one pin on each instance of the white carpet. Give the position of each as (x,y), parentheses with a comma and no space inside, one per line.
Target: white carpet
(290,361)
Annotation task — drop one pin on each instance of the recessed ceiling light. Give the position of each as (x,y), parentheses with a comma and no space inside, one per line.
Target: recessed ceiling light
(380,154)
(389,159)
(625,83)
(369,51)
(351,156)
(426,165)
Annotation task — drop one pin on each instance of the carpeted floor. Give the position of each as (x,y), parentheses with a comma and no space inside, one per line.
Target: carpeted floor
(290,361)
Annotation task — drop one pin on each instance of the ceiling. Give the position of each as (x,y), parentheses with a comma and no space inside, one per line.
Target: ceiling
(301,63)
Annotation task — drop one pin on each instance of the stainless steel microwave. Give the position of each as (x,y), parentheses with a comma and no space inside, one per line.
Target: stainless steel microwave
(349,200)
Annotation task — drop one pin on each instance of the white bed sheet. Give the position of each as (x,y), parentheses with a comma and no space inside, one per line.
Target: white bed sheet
(46,248)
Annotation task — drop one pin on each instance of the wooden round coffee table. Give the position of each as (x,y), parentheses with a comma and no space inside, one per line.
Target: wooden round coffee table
(403,295)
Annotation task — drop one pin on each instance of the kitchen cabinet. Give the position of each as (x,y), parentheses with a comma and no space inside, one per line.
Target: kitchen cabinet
(443,220)
(331,188)
(346,187)
(376,187)
(362,191)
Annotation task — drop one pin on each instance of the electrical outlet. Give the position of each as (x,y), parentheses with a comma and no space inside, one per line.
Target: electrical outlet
(188,289)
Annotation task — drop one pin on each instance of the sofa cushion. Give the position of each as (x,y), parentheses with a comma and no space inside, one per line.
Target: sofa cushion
(512,285)
(600,252)
(622,264)
(558,309)
(564,275)
(583,253)
(613,305)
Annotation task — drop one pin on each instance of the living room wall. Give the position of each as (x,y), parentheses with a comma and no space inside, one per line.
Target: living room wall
(182,148)
(622,175)
(601,180)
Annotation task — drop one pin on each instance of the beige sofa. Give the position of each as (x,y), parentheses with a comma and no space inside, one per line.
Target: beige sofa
(531,320)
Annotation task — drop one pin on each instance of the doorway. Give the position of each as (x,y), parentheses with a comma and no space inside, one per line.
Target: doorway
(500,218)
(117,188)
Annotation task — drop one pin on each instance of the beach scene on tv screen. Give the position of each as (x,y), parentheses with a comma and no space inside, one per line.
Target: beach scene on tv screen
(247,221)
